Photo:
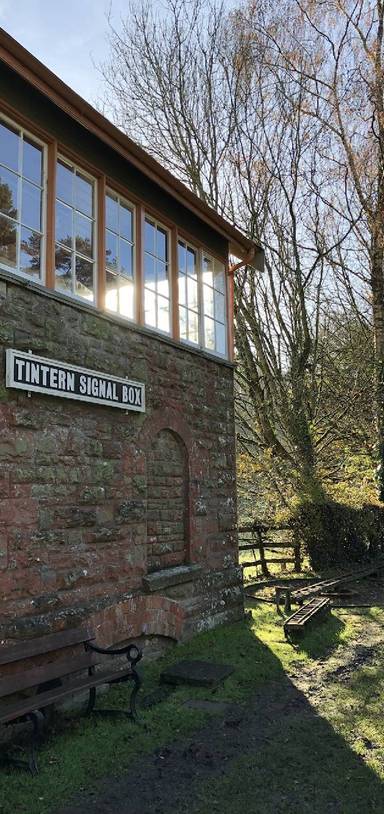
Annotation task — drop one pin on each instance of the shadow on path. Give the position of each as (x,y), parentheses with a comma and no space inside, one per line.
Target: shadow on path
(274,756)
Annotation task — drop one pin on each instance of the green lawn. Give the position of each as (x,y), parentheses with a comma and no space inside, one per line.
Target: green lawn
(345,731)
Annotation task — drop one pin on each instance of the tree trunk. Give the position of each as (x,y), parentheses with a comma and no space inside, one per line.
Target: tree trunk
(378,323)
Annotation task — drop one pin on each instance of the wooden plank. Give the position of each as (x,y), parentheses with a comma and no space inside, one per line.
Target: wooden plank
(351,576)
(298,620)
(173,265)
(43,644)
(139,270)
(267,545)
(47,672)
(100,242)
(10,712)
(50,262)
(250,563)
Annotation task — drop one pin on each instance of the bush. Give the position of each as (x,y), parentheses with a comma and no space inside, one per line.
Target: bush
(337,534)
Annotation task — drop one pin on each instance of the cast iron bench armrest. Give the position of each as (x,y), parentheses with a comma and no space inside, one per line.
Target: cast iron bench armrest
(121,651)
(39,677)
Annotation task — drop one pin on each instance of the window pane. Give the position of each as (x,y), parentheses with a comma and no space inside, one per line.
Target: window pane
(126,222)
(220,338)
(219,307)
(64,183)
(150,308)
(149,272)
(163,314)
(31,206)
(208,301)
(126,260)
(111,250)
(183,323)
(126,298)
(149,237)
(111,293)
(161,244)
(84,235)
(84,278)
(191,263)
(182,257)
(32,161)
(207,271)
(209,333)
(219,279)
(84,195)
(9,147)
(63,269)
(112,213)
(63,224)
(162,279)
(30,252)
(8,237)
(193,327)
(8,193)
(192,293)
(182,289)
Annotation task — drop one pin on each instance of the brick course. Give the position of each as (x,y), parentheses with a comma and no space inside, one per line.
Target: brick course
(91,498)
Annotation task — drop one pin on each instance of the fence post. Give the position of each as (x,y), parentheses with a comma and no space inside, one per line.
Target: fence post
(264,568)
(297,552)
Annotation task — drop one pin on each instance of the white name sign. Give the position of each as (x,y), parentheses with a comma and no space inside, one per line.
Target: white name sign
(25,371)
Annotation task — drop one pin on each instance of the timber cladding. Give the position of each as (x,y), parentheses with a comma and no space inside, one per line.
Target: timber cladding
(92,499)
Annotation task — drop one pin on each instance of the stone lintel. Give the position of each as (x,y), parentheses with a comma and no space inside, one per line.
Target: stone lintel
(169,577)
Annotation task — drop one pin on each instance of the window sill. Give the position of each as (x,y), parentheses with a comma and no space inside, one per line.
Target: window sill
(169,577)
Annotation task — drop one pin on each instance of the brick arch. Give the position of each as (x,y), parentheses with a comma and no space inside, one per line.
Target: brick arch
(168,419)
(138,616)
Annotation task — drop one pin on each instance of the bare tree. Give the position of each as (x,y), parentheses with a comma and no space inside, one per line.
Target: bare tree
(335,47)
(198,89)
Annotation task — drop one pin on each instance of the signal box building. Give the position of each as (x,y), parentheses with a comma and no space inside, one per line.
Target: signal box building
(117,444)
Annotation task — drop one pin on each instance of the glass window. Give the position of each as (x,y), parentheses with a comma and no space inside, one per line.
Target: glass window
(21,201)
(202,299)
(156,276)
(214,305)
(75,232)
(188,293)
(119,256)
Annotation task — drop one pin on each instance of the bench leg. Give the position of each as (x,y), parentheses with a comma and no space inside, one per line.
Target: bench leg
(37,719)
(132,700)
(91,701)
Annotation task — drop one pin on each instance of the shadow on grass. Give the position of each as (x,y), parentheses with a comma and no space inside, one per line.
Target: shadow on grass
(320,640)
(275,755)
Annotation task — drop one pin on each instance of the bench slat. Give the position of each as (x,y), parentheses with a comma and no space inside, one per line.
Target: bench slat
(47,672)
(10,712)
(43,644)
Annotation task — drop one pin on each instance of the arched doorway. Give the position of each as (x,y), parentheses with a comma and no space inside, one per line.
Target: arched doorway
(167,506)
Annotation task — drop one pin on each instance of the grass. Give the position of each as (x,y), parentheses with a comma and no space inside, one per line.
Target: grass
(76,755)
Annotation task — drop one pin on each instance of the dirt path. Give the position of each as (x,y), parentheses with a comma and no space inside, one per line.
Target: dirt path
(173,780)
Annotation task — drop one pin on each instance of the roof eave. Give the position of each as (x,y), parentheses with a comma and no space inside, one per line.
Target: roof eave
(36,73)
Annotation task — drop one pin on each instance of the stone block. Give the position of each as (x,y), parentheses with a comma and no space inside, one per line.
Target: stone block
(160,580)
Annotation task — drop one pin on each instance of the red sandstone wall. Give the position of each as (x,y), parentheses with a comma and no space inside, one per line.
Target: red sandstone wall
(73,478)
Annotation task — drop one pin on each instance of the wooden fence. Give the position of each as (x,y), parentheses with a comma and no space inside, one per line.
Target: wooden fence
(259,539)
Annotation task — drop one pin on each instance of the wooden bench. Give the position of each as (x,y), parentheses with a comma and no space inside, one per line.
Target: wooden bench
(37,673)
(296,623)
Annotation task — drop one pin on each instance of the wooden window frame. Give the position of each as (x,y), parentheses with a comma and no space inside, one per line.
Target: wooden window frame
(170,238)
(108,189)
(215,352)
(54,149)
(42,280)
(95,260)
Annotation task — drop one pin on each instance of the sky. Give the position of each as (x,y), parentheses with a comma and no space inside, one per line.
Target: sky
(69,36)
